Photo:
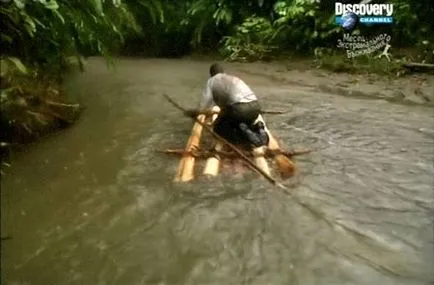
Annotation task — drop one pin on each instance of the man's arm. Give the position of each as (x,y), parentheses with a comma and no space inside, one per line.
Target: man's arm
(207,98)
(205,104)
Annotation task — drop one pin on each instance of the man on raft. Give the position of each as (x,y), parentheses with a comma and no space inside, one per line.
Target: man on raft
(238,121)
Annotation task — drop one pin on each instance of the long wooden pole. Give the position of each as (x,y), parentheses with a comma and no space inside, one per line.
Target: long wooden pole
(217,111)
(231,146)
(228,154)
(268,112)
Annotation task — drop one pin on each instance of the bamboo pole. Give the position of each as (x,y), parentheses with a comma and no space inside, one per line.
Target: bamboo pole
(212,165)
(260,152)
(259,159)
(285,165)
(268,112)
(186,165)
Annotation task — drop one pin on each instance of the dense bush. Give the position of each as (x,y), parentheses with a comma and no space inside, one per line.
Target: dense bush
(305,25)
(250,40)
(46,32)
(39,38)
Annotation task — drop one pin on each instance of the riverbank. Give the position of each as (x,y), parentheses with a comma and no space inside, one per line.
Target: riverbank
(337,77)
(408,89)
(33,106)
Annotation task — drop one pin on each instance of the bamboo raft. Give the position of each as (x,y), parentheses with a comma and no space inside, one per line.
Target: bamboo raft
(260,156)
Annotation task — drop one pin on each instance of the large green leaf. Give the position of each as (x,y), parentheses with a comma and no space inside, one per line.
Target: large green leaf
(9,64)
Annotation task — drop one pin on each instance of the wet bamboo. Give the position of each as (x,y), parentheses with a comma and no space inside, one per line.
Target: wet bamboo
(285,165)
(213,163)
(186,165)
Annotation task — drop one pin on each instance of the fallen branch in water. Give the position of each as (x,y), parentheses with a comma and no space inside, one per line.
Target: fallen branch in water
(56,116)
(419,67)
(52,103)
(39,117)
(230,154)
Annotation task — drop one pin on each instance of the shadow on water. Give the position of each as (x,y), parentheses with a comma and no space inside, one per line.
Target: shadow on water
(96,204)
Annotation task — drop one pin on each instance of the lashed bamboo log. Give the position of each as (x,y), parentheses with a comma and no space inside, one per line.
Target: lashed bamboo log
(259,159)
(285,165)
(259,154)
(213,163)
(186,165)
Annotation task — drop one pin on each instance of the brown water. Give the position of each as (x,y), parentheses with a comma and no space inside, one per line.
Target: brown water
(95,204)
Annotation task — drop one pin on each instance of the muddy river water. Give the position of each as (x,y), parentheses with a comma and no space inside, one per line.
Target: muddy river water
(95,204)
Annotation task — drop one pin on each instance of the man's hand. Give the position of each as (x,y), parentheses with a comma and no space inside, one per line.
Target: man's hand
(192,113)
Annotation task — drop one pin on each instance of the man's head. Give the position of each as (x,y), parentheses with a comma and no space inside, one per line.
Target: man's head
(215,69)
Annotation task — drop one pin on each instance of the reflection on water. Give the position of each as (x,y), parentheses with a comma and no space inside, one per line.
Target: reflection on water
(95,204)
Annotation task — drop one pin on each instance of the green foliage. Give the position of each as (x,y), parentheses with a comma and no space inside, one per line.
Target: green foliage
(303,24)
(251,40)
(10,66)
(413,21)
(44,32)
(38,39)
(150,16)
(210,17)
(414,26)
(298,25)
(205,15)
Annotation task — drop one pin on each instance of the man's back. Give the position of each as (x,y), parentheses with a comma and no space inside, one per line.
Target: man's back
(227,90)
(239,106)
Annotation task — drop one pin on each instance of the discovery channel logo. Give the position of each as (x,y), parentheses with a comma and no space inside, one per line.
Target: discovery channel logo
(349,15)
